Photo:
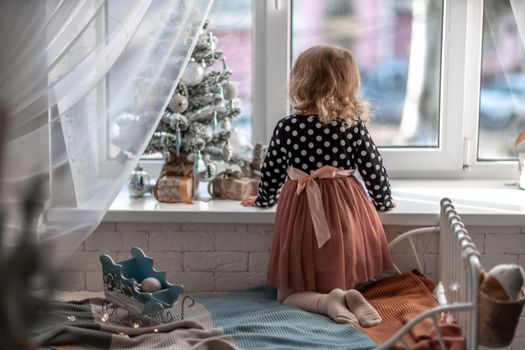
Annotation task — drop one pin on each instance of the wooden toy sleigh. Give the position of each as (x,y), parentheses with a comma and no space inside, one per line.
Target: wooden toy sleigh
(122,285)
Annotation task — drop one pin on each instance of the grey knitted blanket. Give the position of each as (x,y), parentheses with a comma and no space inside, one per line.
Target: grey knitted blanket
(82,325)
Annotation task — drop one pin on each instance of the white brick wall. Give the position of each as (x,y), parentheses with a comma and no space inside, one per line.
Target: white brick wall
(227,257)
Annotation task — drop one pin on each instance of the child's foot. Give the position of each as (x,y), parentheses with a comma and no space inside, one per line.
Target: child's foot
(333,305)
(365,313)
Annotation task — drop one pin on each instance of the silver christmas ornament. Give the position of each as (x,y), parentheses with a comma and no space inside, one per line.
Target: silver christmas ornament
(230,90)
(178,103)
(198,166)
(139,182)
(212,170)
(224,64)
(227,151)
(193,74)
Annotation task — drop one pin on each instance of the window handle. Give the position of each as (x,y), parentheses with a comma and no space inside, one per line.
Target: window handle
(466,154)
(277,4)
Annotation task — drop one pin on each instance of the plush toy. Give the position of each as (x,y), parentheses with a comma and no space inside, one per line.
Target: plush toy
(504,282)
(501,301)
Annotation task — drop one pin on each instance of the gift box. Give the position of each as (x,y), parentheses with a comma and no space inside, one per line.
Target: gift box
(175,183)
(231,185)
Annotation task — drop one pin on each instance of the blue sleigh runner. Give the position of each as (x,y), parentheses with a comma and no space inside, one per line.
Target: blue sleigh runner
(121,284)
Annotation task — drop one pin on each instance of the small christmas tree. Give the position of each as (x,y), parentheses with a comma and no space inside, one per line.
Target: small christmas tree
(197,124)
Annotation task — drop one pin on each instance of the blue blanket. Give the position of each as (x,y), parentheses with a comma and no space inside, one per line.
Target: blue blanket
(256,320)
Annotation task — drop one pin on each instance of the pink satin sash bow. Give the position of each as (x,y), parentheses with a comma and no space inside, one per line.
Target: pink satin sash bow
(313,192)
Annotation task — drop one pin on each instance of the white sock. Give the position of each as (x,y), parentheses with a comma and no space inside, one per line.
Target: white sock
(333,305)
(366,314)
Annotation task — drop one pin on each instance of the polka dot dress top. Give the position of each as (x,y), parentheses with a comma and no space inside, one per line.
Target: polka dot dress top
(306,143)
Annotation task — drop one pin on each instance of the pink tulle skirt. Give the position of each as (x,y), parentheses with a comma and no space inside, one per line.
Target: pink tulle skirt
(357,250)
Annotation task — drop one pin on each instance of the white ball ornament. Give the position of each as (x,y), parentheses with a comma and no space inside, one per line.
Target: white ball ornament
(178,103)
(238,141)
(230,90)
(150,285)
(193,74)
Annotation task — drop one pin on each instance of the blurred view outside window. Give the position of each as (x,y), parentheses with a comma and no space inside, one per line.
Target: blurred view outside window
(397,45)
(502,94)
(231,22)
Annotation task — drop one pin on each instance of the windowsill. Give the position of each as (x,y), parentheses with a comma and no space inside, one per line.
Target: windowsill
(479,202)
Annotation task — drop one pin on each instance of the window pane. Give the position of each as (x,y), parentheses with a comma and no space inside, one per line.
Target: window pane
(502,93)
(231,23)
(397,45)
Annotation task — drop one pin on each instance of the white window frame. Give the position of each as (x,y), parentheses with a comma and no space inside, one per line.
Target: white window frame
(473,53)
(456,156)
(271,43)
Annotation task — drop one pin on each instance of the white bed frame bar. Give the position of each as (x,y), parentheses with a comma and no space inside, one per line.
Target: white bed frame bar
(459,269)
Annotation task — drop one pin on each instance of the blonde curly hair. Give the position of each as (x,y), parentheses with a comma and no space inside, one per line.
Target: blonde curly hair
(326,79)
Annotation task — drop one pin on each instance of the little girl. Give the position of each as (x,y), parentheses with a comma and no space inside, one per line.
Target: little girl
(327,235)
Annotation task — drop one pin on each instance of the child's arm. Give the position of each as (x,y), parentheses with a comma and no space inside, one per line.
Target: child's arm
(273,170)
(370,165)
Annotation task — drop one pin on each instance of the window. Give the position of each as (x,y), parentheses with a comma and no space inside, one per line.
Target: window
(502,95)
(397,46)
(420,63)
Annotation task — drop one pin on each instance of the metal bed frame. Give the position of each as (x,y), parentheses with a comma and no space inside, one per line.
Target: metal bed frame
(459,270)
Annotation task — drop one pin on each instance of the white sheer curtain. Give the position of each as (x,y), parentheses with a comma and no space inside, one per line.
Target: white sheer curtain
(83,84)
(518,9)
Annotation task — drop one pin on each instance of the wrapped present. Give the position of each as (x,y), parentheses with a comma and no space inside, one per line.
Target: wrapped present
(232,185)
(175,183)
